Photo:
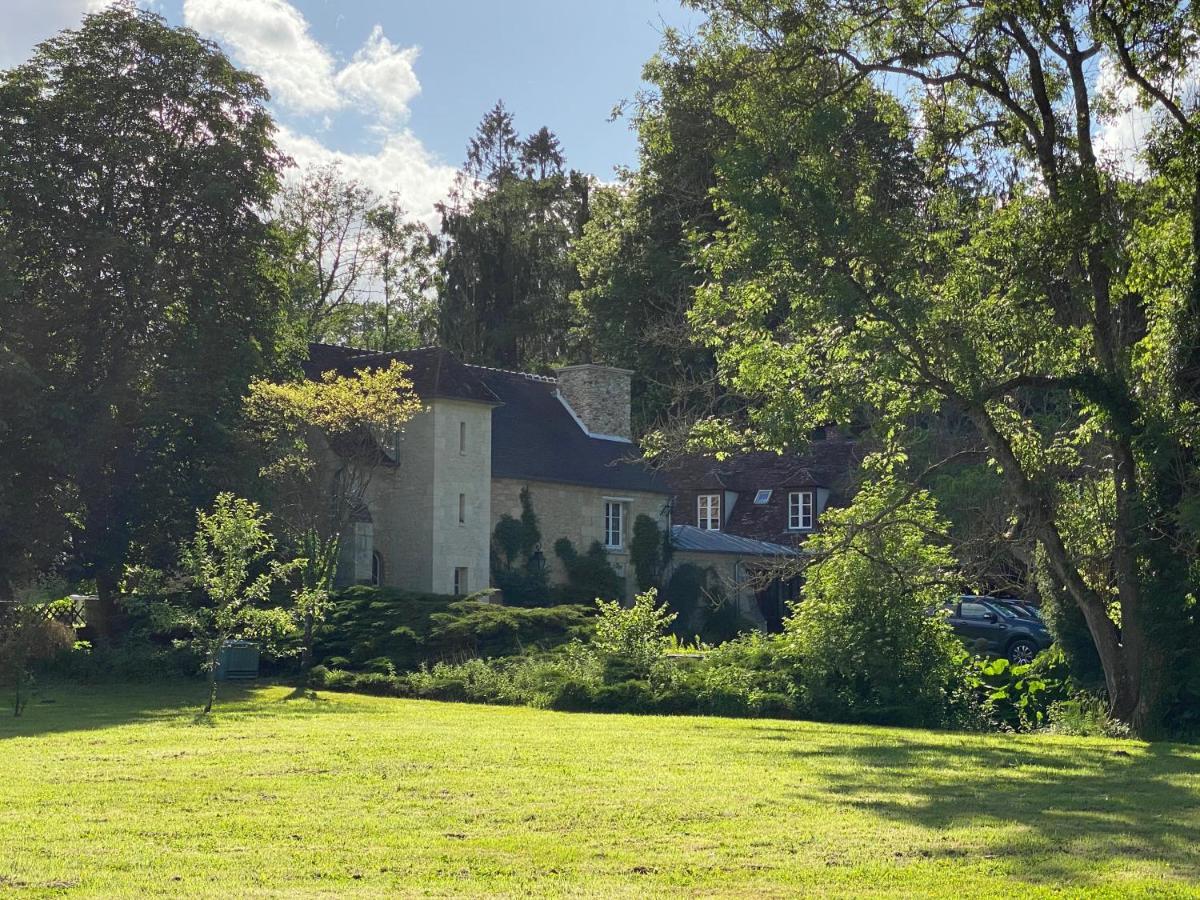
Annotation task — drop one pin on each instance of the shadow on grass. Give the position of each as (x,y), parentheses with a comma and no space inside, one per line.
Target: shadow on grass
(68,706)
(300,692)
(1074,806)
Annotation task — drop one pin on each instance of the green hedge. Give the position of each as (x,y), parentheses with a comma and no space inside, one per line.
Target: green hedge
(385,630)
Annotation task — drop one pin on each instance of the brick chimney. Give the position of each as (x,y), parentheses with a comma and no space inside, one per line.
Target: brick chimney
(599,398)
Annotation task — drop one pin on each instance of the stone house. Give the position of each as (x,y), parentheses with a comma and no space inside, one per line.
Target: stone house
(485,435)
(745,519)
(462,463)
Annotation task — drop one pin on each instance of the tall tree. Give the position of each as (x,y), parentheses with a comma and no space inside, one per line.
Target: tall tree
(508,224)
(917,221)
(635,260)
(400,312)
(324,214)
(133,161)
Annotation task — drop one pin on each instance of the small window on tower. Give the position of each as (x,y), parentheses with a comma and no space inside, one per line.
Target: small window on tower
(462,438)
(462,509)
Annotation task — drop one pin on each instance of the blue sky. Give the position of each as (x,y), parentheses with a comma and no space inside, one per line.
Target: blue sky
(394,88)
(561,64)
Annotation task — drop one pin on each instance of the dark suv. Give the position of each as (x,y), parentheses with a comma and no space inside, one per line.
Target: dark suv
(999,627)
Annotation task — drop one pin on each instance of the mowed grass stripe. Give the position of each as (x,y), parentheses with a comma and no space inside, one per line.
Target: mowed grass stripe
(120,791)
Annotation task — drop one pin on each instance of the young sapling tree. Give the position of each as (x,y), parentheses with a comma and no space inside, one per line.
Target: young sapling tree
(230,559)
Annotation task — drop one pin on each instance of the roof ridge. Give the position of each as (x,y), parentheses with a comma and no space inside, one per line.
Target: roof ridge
(532,376)
(369,351)
(344,347)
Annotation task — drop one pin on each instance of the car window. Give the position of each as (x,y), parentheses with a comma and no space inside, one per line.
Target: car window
(974,610)
(1010,612)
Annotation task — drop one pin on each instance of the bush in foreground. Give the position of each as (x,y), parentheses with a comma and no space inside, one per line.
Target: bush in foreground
(385,629)
(865,645)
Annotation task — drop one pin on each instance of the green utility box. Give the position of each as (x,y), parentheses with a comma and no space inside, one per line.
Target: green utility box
(237,660)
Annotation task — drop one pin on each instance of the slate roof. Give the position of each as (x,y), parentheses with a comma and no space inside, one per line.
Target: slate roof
(689,537)
(535,437)
(829,463)
(434,371)
(824,463)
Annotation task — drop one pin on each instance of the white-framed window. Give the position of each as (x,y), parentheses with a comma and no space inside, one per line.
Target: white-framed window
(462,509)
(800,510)
(763,497)
(708,512)
(614,524)
(462,584)
(462,438)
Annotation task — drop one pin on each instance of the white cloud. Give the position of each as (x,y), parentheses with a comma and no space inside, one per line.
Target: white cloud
(1122,135)
(381,76)
(1128,123)
(401,164)
(271,38)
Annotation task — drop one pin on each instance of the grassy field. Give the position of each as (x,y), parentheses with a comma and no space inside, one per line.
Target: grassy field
(118,791)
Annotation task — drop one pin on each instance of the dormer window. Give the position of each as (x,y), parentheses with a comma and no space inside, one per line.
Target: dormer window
(801,505)
(708,512)
(763,497)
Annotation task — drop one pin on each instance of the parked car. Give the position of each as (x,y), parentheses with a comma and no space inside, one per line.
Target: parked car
(1020,607)
(1001,627)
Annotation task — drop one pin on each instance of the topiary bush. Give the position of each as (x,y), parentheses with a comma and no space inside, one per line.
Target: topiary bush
(590,577)
(365,623)
(698,598)
(646,552)
(385,630)
(514,542)
(684,594)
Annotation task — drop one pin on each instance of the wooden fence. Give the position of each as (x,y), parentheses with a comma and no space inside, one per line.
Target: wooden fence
(70,613)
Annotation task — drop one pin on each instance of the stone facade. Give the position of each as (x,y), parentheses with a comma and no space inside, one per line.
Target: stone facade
(400,502)
(577,512)
(461,463)
(599,396)
(462,475)
(445,471)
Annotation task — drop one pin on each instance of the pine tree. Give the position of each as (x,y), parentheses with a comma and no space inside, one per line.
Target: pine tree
(508,226)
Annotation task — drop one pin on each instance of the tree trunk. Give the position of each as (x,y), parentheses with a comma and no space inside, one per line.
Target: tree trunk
(306,653)
(107,620)
(1134,688)
(212,677)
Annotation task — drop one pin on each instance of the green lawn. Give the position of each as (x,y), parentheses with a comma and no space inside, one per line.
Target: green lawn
(117,791)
